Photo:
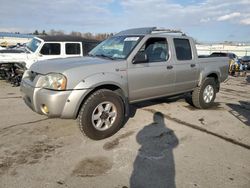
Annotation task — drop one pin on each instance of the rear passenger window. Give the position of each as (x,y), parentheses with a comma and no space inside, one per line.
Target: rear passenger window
(72,48)
(51,49)
(183,49)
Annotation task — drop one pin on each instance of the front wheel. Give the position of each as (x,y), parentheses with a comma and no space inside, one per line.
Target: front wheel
(101,115)
(204,95)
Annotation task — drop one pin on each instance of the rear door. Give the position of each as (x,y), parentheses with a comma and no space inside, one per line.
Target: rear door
(151,79)
(185,65)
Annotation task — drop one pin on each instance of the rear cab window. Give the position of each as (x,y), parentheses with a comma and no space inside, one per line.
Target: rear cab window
(182,49)
(72,48)
(51,49)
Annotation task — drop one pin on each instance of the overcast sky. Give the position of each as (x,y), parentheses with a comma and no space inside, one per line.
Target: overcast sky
(205,20)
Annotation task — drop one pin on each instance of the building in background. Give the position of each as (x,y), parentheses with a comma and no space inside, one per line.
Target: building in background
(238,49)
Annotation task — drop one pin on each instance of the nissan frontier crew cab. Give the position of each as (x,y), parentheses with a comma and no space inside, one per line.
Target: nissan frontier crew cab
(133,65)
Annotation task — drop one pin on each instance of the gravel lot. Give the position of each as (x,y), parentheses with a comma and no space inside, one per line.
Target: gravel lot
(167,143)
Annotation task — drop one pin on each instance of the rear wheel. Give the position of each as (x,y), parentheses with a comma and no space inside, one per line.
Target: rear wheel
(204,95)
(101,115)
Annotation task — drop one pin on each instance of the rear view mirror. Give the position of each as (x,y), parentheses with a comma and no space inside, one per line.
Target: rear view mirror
(140,57)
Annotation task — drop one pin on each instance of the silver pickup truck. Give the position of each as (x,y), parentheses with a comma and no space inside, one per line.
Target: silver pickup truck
(134,65)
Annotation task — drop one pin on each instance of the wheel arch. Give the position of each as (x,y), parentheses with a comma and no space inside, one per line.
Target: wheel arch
(110,86)
(216,79)
(214,75)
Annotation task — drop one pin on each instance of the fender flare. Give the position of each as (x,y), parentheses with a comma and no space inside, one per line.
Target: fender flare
(204,74)
(103,80)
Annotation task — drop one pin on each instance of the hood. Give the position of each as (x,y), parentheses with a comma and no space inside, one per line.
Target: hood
(78,68)
(13,55)
(65,64)
(12,51)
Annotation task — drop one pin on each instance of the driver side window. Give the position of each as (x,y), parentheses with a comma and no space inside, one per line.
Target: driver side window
(156,49)
(51,49)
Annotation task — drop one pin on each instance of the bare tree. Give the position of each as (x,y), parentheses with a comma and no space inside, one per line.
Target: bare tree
(44,32)
(76,33)
(88,35)
(56,32)
(36,32)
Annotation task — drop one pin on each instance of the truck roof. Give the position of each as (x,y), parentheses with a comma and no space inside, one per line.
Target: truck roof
(64,38)
(149,30)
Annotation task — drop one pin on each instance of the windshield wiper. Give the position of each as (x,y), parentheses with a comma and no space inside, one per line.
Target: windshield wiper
(91,55)
(104,56)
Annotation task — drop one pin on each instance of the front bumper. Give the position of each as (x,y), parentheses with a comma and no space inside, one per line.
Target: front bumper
(62,104)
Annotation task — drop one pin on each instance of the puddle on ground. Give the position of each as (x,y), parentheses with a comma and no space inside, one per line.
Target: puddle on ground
(91,167)
(6,164)
(114,143)
(30,155)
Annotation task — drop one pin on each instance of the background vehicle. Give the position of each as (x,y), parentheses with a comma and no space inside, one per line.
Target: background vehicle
(246,60)
(233,63)
(134,65)
(223,54)
(14,61)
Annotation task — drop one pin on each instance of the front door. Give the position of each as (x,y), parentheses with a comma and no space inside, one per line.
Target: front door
(155,77)
(50,51)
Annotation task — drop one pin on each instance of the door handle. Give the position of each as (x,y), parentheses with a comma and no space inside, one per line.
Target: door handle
(169,67)
(192,65)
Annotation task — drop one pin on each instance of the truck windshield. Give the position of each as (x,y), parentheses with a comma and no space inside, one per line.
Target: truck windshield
(33,44)
(117,47)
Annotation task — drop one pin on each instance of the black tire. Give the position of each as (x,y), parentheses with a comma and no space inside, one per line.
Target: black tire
(197,94)
(188,98)
(90,106)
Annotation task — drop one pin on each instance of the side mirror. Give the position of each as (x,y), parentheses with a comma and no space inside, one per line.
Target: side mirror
(140,57)
(40,55)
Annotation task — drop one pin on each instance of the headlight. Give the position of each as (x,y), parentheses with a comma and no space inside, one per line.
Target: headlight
(53,81)
(26,74)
